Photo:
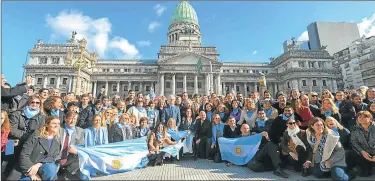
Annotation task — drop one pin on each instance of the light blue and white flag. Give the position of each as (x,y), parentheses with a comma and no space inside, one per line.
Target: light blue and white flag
(239,151)
(112,158)
(178,135)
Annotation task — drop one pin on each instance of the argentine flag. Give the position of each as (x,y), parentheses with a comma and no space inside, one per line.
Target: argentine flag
(239,151)
(112,158)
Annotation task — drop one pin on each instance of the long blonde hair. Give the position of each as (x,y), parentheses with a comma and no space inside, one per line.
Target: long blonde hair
(339,126)
(43,132)
(111,119)
(169,123)
(334,108)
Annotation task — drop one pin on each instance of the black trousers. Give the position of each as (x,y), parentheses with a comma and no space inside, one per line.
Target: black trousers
(354,159)
(302,157)
(71,165)
(266,159)
(203,148)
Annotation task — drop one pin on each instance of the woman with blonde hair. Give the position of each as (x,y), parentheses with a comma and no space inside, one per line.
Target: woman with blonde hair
(326,154)
(339,130)
(52,107)
(158,140)
(108,117)
(293,96)
(327,94)
(223,112)
(120,131)
(248,114)
(97,134)
(329,109)
(40,153)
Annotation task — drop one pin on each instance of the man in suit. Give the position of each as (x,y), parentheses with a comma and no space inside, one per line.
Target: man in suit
(203,138)
(70,135)
(8,93)
(172,111)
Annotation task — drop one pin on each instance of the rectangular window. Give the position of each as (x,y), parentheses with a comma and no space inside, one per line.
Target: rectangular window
(167,85)
(237,88)
(148,88)
(136,88)
(311,64)
(199,85)
(226,88)
(125,70)
(190,84)
(304,83)
(125,87)
(314,82)
(52,81)
(301,64)
(114,87)
(64,81)
(43,60)
(324,83)
(39,81)
(288,85)
(55,60)
(321,64)
(180,85)
(247,88)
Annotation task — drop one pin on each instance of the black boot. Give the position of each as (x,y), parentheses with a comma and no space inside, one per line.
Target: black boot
(305,172)
(280,172)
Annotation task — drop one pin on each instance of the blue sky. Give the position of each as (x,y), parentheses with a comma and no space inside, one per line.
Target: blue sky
(241,31)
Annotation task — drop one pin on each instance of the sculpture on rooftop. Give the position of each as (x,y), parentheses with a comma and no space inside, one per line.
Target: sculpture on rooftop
(323,47)
(74,33)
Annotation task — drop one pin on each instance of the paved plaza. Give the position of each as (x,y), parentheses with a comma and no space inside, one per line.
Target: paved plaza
(188,169)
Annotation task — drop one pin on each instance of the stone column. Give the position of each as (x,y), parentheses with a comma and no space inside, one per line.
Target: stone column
(224,90)
(245,89)
(141,87)
(45,81)
(211,83)
(173,84)
(184,83)
(106,88)
(255,87)
(218,91)
(58,82)
(207,78)
(275,88)
(73,87)
(94,91)
(161,84)
(334,85)
(310,83)
(235,87)
(320,83)
(118,87)
(195,83)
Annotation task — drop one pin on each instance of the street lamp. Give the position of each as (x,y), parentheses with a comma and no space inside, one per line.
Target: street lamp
(84,60)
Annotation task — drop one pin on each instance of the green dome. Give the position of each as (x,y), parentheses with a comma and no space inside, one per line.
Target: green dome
(184,12)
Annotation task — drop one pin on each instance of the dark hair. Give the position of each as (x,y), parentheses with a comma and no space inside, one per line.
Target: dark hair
(354,95)
(97,102)
(73,103)
(259,110)
(42,89)
(70,114)
(31,87)
(143,119)
(313,121)
(196,95)
(104,97)
(84,95)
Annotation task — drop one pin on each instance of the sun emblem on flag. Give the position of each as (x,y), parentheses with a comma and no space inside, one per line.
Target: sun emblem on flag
(238,150)
(116,164)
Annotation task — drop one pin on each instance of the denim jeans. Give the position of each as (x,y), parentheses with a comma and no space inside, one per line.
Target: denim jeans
(336,173)
(47,171)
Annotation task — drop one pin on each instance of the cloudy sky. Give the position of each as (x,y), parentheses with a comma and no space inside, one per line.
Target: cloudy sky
(241,31)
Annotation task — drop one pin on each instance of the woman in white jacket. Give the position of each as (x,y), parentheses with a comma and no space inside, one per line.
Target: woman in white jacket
(248,114)
(138,111)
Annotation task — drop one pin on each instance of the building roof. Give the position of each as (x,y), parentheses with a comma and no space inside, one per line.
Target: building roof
(127,61)
(184,12)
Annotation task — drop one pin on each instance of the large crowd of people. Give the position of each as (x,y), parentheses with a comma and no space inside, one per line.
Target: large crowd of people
(327,134)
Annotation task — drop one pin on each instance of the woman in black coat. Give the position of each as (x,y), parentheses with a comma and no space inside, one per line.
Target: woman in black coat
(40,153)
(52,107)
(121,131)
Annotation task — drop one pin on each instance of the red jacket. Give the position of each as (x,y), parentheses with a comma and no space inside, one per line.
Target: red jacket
(4,140)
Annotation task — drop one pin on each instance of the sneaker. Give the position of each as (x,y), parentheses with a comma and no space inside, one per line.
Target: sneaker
(280,172)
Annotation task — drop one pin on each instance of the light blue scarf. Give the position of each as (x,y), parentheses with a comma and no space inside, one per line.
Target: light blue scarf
(335,131)
(159,136)
(144,132)
(140,109)
(120,125)
(209,115)
(96,111)
(69,130)
(108,122)
(235,110)
(287,118)
(222,114)
(29,113)
(55,112)
(261,122)
(150,113)
(338,103)
(119,112)
(250,113)
(328,113)
(268,112)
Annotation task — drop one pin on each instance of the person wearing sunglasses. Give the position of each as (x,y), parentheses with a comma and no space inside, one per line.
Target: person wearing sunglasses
(314,99)
(23,123)
(293,146)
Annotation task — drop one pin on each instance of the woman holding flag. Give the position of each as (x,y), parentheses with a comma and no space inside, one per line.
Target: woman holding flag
(158,140)
(217,132)
(96,134)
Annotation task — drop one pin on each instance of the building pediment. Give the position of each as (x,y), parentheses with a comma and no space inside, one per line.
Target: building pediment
(189,58)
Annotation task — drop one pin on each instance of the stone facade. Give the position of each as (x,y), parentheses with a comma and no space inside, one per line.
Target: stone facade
(175,69)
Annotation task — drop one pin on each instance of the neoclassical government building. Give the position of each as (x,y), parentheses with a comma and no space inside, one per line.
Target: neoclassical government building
(182,65)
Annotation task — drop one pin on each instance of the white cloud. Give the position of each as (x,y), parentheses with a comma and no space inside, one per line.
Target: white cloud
(255,52)
(143,43)
(152,26)
(124,45)
(159,9)
(367,26)
(304,36)
(95,31)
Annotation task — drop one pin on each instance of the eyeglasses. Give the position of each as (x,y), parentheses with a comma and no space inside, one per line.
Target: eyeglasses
(292,123)
(35,102)
(314,95)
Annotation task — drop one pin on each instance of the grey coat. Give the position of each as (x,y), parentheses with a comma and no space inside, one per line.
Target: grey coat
(358,139)
(22,127)
(333,151)
(77,138)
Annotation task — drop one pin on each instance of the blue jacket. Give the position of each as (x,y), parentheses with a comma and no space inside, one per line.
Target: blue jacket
(171,112)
